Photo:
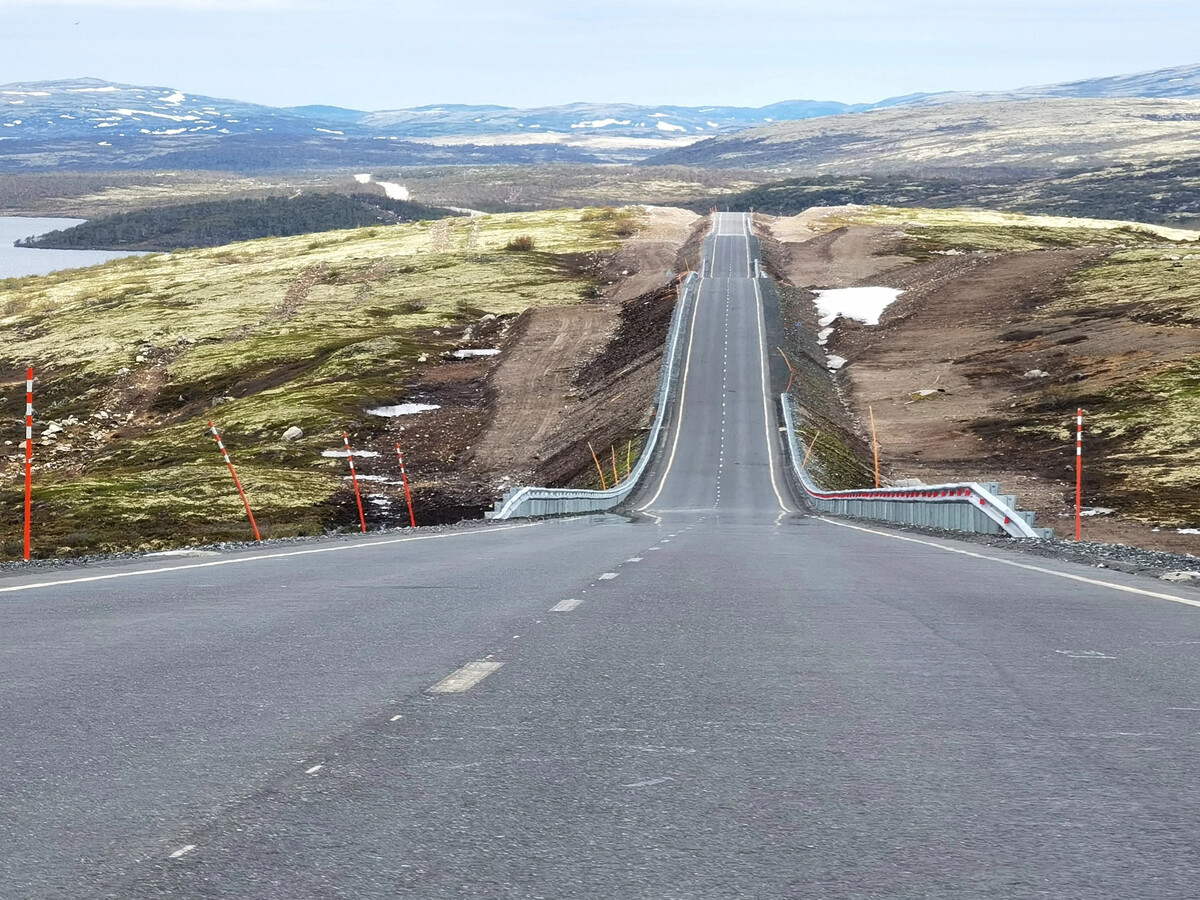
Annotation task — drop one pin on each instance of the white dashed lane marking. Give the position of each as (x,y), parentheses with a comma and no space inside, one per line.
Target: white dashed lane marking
(566,605)
(634,559)
(608,576)
(465,678)
(315,769)
(183,851)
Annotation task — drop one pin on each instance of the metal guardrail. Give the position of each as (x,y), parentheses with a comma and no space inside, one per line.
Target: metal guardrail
(525,502)
(961,506)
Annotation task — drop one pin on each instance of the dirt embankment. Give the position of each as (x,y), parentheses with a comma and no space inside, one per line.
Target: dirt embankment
(975,371)
(565,376)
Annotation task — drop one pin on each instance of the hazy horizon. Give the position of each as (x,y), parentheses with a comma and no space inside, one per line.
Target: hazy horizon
(355,55)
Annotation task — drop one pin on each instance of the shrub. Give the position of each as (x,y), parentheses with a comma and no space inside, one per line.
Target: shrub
(523,243)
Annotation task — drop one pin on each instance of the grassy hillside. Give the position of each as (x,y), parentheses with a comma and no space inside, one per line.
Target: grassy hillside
(135,356)
(1041,136)
(1164,192)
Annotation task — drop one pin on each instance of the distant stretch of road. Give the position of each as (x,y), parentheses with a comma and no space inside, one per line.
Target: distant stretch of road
(721,696)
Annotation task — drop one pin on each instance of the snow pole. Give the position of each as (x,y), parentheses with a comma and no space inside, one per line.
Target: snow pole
(407,496)
(628,457)
(225,453)
(354,478)
(28,457)
(616,477)
(874,444)
(599,468)
(811,444)
(1079,475)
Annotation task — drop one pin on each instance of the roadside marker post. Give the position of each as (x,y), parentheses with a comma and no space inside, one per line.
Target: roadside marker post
(628,457)
(225,453)
(407,496)
(354,478)
(599,468)
(874,444)
(616,477)
(1079,475)
(28,458)
(811,444)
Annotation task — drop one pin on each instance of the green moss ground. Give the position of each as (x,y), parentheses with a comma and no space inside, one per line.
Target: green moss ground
(306,331)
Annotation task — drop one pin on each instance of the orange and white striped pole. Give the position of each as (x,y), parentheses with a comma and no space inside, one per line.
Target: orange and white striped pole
(225,453)
(354,477)
(1079,475)
(28,457)
(407,496)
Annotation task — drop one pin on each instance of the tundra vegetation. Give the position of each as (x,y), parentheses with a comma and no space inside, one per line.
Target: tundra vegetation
(134,357)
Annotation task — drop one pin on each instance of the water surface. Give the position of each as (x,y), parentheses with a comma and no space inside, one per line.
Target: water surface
(17,262)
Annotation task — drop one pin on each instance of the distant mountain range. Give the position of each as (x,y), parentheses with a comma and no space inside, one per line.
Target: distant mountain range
(92,124)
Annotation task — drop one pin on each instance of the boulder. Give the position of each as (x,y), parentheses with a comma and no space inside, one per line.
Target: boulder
(293,434)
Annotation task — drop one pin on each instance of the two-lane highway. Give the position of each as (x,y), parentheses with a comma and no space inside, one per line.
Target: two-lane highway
(722,698)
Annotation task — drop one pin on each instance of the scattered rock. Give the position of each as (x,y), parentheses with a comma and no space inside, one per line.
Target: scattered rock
(293,434)
(1036,373)
(1186,575)
(220,401)
(139,358)
(424,357)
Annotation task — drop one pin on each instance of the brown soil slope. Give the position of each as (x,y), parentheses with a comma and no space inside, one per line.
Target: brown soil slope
(976,370)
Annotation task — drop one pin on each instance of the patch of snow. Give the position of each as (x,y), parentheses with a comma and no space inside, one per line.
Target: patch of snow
(835,362)
(326,130)
(667,126)
(600,123)
(156,115)
(660,115)
(712,124)
(26,93)
(1096,511)
(402,409)
(468,354)
(174,98)
(1187,530)
(342,454)
(865,304)
(394,191)
(65,116)
(363,179)
(823,336)
(103,144)
(107,89)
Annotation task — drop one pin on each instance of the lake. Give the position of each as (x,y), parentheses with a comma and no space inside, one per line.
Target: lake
(17,262)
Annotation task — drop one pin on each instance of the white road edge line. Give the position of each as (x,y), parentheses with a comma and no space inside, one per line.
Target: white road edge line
(1017,565)
(183,851)
(687,366)
(566,605)
(465,678)
(365,545)
(762,350)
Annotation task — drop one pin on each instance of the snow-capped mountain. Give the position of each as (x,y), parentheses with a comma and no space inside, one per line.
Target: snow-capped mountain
(88,123)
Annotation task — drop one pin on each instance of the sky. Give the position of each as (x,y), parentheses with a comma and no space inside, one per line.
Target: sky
(387,55)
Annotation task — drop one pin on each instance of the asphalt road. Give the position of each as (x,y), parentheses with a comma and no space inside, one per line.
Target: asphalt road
(721,698)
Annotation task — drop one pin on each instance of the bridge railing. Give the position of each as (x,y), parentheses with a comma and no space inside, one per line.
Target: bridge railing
(960,506)
(526,502)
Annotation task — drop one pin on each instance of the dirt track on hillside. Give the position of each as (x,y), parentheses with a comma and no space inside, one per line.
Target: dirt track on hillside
(971,328)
